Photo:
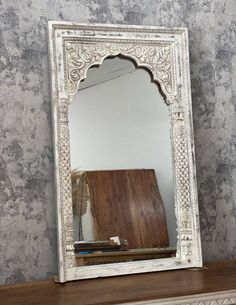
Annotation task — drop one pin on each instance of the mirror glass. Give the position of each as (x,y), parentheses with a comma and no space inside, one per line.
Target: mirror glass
(121,168)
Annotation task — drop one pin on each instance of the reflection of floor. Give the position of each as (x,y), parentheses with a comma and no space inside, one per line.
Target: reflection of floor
(123,256)
(215,285)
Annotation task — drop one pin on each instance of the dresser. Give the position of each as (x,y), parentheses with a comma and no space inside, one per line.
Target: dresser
(215,284)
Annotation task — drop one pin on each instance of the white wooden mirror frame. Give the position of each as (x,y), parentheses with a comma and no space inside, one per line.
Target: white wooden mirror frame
(73,49)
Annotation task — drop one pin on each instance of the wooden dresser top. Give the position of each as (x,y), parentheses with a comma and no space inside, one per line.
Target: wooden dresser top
(218,276)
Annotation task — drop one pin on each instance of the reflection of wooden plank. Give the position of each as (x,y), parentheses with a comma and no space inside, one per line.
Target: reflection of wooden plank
(127,203)
(108,245)
(123,256)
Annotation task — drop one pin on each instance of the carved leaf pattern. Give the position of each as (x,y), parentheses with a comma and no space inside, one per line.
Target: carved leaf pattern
(82,56)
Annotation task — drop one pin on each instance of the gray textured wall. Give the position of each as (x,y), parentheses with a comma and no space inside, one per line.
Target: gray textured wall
(27,204)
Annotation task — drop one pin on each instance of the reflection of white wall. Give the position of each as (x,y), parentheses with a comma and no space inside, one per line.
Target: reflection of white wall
(124,124)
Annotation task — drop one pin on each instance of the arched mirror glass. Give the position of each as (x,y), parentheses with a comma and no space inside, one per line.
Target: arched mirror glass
(122,179)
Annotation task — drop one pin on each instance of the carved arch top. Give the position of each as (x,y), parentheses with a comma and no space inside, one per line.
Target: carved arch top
(158,59)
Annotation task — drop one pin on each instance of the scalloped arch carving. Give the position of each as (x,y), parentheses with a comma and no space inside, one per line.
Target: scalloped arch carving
(157,59)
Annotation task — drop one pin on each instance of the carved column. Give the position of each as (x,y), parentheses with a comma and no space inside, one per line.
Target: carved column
(182,187)
(65,182)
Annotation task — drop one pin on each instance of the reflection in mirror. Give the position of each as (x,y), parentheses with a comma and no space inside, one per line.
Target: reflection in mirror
(122,186)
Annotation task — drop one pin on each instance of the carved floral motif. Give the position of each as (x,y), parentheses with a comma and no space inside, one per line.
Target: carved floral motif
(81,56)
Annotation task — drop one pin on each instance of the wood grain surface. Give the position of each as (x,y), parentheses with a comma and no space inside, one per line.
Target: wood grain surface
(219,276)
(123,256)
(128,204)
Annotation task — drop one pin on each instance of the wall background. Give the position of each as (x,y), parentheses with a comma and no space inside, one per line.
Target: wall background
(27,203)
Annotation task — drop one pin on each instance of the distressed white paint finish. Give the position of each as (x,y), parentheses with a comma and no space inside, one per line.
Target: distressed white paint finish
(73,48)
(211,298)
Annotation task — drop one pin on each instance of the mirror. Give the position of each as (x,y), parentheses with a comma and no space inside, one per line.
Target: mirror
(126,194)
(122,180)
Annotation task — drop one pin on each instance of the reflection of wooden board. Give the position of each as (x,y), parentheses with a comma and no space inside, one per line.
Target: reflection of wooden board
(123,256)
(127,203)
